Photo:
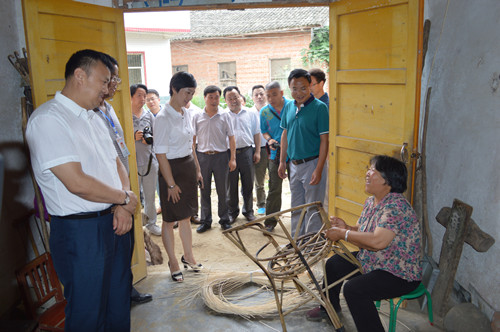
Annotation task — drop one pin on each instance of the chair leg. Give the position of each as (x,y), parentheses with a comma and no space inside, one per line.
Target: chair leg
(391,315)
(429,307)
(394,316)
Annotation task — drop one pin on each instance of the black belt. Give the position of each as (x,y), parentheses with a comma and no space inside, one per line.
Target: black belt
(210,152)
(87,215)
(240,150)
(301,161)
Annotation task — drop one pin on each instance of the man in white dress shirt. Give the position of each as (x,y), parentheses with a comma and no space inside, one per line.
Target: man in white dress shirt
(247,133)
(259,100)
(213,128)
(87,193)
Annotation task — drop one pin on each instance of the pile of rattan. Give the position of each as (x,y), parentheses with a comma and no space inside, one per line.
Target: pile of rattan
(229,293)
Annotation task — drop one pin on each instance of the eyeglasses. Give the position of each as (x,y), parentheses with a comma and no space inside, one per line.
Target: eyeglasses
(116,79)
(151,99)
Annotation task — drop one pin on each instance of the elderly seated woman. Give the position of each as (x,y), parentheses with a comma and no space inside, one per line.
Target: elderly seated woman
(388,236)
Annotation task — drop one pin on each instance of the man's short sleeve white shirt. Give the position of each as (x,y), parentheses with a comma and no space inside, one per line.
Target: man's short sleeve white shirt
(59,132)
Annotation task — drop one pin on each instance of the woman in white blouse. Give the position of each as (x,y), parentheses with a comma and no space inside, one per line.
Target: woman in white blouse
(180,171)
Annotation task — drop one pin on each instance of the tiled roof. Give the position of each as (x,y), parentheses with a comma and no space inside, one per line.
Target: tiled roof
(218,23)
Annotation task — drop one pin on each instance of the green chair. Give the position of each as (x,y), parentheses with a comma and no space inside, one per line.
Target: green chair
(421,290)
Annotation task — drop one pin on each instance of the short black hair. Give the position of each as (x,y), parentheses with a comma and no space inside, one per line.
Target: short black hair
(298,73)
(85,59)
(134,87)
(258,86)
(113,60)
(318,74)
(154,91)
(231,88)
(211,89)
(393,171)
(181,80)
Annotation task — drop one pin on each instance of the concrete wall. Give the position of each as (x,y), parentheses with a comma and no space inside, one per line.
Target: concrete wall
(18,192)
(252,56)
(464,131)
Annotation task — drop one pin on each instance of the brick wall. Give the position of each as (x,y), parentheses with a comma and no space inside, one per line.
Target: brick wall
(252,55)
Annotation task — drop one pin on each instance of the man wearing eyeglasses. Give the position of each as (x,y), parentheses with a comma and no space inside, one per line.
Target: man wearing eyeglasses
(106,112)
(318,80)
(153,101)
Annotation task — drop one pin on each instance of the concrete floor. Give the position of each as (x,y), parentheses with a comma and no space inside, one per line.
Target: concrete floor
(170,312)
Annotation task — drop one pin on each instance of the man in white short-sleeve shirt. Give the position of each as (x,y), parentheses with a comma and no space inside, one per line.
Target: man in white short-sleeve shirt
(212,130)
(247,136)
(87,193)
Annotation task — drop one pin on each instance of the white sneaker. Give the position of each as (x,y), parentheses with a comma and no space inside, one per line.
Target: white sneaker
(153,229)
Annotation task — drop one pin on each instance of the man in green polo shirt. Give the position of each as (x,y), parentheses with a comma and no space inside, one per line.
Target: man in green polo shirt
(305,141)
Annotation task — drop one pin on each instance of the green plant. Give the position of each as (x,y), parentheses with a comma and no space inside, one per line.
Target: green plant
(319,48)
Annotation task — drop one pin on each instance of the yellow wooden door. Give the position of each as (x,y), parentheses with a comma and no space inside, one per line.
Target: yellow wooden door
(373,75)
(55,29)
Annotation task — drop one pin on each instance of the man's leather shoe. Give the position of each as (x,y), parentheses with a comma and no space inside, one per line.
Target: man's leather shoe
(203,228)
(232,219)
(250,217)
(141,298)
(225,225)
(196,220)
(269,228)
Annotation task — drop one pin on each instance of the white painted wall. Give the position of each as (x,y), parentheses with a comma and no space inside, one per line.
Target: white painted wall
(158,62)
(463,156)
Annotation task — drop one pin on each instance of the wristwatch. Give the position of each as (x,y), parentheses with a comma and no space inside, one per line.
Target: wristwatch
(127,198)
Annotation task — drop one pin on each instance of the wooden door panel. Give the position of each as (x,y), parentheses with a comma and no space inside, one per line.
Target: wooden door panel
(55,29)
(372,92)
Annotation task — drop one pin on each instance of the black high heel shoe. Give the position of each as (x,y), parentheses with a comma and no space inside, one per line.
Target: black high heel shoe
(176,275)
(194,267)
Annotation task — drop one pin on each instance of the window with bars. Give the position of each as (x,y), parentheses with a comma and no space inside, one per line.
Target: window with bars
(280,69)
(135,68)
(227,74)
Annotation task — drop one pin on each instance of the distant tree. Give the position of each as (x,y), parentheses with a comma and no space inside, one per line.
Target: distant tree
(319,48)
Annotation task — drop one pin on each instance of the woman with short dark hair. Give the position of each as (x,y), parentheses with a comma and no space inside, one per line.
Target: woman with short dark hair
(180,171)
(388,236)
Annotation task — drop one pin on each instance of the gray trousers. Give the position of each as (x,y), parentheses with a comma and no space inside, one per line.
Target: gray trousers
(303,193)
(244,171)
(260,174)
(148,185)
(216,164)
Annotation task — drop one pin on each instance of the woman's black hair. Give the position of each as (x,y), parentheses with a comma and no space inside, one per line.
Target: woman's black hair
(181,80)
(393,171)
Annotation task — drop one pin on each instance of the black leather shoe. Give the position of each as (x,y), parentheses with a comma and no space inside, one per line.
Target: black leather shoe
(141,298)
(232,218)
(225,225)
(250,217)
(269,228)
(196,220)
(203,228)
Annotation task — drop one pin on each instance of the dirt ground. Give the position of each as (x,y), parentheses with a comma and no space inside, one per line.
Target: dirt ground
(213,249)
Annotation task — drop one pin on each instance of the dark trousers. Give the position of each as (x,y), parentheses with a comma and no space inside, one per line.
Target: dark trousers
(273,201)
(244,171)
(216,164)
(361,290)
(93,264)
(260,174)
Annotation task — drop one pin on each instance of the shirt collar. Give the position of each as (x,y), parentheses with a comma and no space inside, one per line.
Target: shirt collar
(308,101)
(76,109)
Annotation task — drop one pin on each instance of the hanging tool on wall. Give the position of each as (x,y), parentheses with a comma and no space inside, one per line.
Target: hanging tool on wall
(21,65)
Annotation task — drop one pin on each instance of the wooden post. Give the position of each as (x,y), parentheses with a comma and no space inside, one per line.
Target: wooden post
(460,228)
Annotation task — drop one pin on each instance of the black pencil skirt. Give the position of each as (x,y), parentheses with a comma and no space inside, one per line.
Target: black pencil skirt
(184,173)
